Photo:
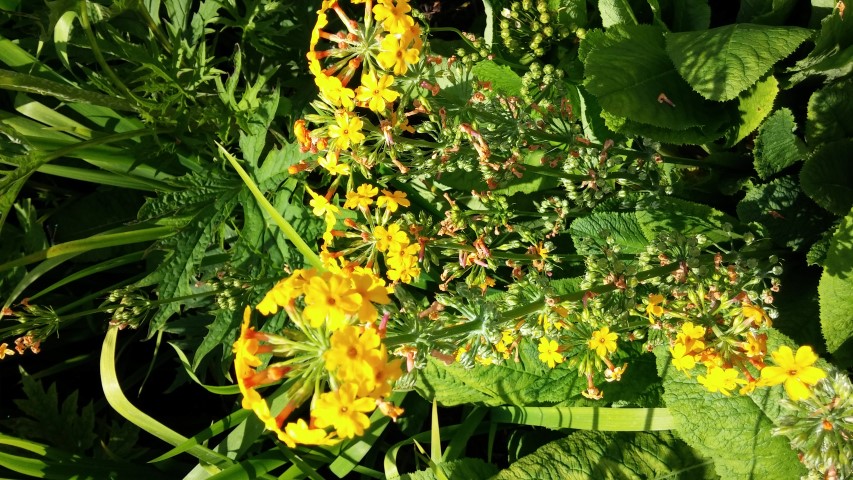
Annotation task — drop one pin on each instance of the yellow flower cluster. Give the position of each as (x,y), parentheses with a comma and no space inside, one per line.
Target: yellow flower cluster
(338,344)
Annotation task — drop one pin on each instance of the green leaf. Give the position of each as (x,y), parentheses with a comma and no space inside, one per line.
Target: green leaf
(616,12)
(827,176)
(224,322)
(723,62)
(461,469)
(690,15)
(776,146)
(765,12)
(503,79)
(599,455)
(829,114)
(733,431)
(670,214)
(789,217)
(628,70)
(832,56)
(527,382)
(623,228)
(836,287)
(688,136)
(753,107)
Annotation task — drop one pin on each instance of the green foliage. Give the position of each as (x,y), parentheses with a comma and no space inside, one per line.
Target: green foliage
(742,445)
(776,146)
(624,228)
(827,177)
(829,108)
(603,455)
(836,287)
(723,62)
(502,78)
(461,469)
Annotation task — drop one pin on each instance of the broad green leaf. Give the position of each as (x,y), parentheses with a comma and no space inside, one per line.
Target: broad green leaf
(733,431)
(623,228)
(461,469)
(776,146)
(571,13)
(765,12)
(616,12)
(791,219)
(630,73)
(832,56)
(62,34)
(827,176)
(528,382)
(691,135)
(836,287)
(587,418)
(723,62)
(670,214)
(502,78)
(829,114)
(753,106)
(690,15)
(599,455)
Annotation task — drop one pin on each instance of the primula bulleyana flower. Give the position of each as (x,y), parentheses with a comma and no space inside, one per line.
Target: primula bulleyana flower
(403,264)
(392,200)
(795,371)
(392,238)
(362,197)
(695,332)
(396,55)
(681,359)
(347,131)
(335,92)
(349,346)
(756,314)
(372,290)
(603,341)
(321,207)
(344,411)
(722,380)
(654,307)
(330,301)
(549,352)
(393,17)
(376,92)
(614,374)
(331,164)
(755,345)
(300,432)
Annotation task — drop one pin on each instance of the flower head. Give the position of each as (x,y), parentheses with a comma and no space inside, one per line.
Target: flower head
(654,308)
(362,197)
(795,371)
(343,410)
(396,55)
(603,341)
(393,200)
(393,17)
(347,130)
(722,380)
(330,301)
(376,92)
(549,352)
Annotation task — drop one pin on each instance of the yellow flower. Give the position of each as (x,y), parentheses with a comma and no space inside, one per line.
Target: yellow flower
(681,359)
(321,206)
(342,410)
(391,238)
(362,197)
(614,374)
(393,17)
(330,301)
(301,433)
(280,295)
(347,131)
(330,163)
(393,200)
(603,341)
(376,92)
(333,89)
(349,346)
(654,307)
(372,290)
(395,55)
(384,373)
(403,264)
(796,372)
(549,352)
(756,314)
(722,380)
(695,332)
(755,345)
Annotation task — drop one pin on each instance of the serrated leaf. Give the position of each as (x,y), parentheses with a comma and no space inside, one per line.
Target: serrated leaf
(623,228)
(832,55)
(827,176)
(829,113)
(776,146)
(503,79)
(616,12)
(733,431)
(836,287)
(570,12)
(789,217)
(461,469)
(723,62)
(600,455)
(765,12)
(670,214)
(645,72)
(224,322)
(753,107)
(528,382)
(691,135)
